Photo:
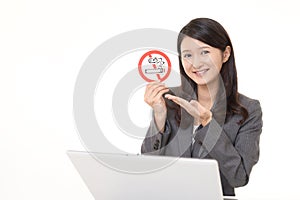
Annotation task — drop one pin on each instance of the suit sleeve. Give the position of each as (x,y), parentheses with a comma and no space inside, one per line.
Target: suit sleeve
(155,140)
(235,159)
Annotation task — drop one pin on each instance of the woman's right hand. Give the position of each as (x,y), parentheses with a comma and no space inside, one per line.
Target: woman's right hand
(154,97)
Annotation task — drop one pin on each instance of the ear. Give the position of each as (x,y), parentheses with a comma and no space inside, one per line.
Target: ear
(226,54)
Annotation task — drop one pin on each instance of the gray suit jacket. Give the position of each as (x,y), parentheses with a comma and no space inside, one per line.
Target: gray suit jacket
(234,146)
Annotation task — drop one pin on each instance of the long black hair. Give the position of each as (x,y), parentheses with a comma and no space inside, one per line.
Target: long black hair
(212,33)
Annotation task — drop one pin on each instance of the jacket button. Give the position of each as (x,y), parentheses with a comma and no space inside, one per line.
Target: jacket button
(156,145)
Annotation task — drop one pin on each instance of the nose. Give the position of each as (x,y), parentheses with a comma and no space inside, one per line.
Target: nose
(197,62)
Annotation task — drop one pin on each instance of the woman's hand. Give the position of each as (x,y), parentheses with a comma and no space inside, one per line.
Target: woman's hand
(201,114)
(154,97)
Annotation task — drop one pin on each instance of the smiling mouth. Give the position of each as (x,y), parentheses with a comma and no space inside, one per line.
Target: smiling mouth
(201,72)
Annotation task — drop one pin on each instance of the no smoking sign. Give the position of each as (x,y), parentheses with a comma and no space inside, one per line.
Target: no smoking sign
(154,66)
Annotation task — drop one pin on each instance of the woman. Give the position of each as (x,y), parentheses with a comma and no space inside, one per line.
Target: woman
(206,117)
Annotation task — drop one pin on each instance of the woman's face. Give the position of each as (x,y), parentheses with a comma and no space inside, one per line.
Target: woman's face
(201,62)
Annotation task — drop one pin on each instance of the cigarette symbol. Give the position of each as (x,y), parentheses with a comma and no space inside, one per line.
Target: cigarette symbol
(154,71)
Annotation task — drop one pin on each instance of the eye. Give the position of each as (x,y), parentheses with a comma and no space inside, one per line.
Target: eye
(204,52)
(187,55)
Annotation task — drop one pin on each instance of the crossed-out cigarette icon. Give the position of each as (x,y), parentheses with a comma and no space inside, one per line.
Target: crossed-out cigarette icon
(154,65)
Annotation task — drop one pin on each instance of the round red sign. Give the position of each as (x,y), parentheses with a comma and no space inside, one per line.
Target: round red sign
(154,65)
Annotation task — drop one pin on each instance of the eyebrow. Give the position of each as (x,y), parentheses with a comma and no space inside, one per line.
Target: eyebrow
(202,47)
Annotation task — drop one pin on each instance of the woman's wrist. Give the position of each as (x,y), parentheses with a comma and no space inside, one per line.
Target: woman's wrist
(160,120)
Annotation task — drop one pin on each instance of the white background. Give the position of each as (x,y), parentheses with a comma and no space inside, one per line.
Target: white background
(44,43)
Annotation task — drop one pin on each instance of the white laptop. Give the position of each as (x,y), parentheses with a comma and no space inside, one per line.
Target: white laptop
(145,177)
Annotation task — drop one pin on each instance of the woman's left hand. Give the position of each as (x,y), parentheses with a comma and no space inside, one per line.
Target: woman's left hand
(200,113)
